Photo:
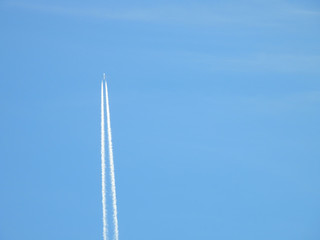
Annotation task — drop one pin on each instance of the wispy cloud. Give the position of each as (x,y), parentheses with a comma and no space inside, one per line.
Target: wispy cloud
(274,14)
(294,102)
(286,63)
(251,62)
(306,12)
(307,101)
(212,14)
(98,13)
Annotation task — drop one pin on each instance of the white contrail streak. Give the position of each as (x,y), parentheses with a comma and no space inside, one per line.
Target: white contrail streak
(112,177)
(103,168)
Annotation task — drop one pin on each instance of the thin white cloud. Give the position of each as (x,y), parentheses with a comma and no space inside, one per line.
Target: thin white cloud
(87,12)
(309,13)
(301,101)
(307,101)
(255,62)
(251,14)
(287,63)
(212,14)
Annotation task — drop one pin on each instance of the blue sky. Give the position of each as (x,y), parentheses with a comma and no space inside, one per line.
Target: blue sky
(214,110)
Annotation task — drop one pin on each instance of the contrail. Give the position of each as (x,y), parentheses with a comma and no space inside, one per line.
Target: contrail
(103,168)
(112,178)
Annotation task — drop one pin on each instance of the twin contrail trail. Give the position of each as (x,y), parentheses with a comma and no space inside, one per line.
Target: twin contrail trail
(112,177)
(103,166)
(103,169)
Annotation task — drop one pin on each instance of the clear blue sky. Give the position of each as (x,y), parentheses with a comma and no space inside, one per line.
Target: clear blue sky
(215,109)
